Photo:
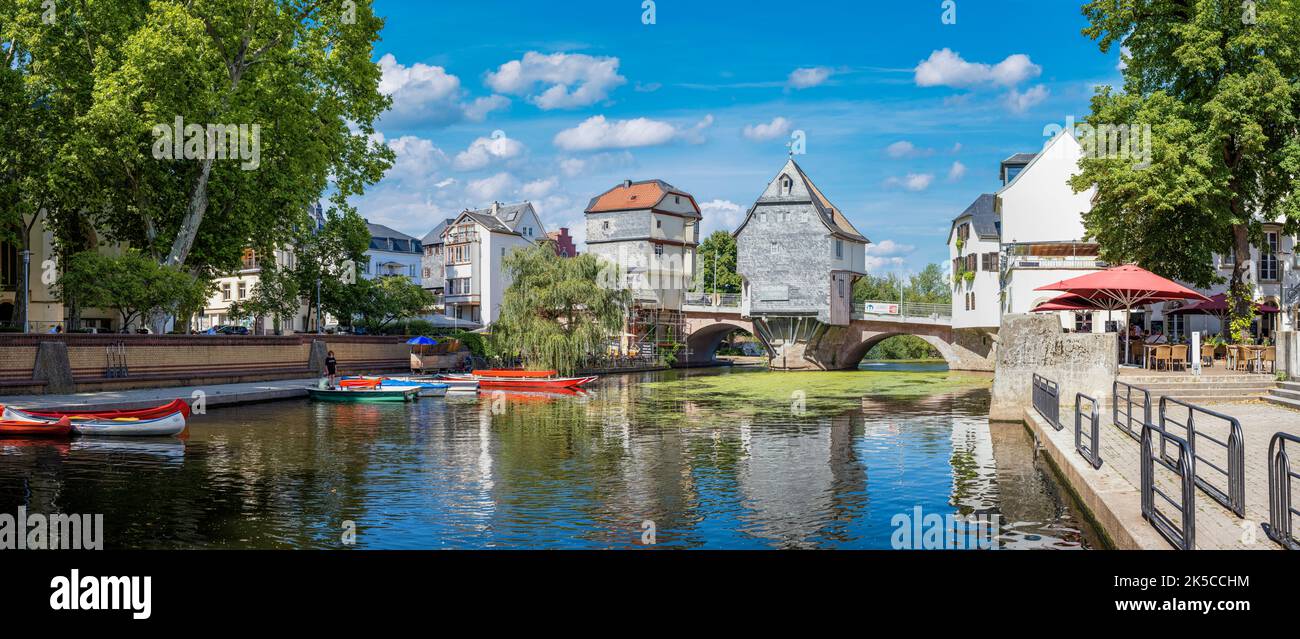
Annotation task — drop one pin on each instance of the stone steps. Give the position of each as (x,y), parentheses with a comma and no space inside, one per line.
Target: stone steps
(1285,394)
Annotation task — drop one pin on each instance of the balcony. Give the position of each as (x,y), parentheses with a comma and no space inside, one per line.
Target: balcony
(462,237)
(461,298)
(1079,263)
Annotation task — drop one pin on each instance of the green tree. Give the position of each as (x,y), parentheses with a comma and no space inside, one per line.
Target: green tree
(556,311)
(131,284)
(390,299)
(276,295)
(1219,85)
(719,247)
(329,254)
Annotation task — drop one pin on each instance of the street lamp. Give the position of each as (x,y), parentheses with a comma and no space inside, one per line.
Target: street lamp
(27,294)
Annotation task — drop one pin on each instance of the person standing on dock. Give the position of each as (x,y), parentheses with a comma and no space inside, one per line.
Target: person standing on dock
(331,367)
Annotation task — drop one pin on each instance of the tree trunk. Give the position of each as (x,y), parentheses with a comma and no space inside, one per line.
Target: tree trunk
(1239,290)
(23,286)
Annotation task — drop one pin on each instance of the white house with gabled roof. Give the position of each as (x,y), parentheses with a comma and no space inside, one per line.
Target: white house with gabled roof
(473,246)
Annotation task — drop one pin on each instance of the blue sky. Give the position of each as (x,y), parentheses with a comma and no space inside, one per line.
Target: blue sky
(905,118)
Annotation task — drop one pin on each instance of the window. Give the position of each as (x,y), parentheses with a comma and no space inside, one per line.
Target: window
(1268,262)
(604,226)
(459,254)
(963,232)
(839,249)
(659,249)
(989,261)
(237,295)
(426,274)
(972,263)
(225,292)
(1175,324)
(972,300)
(786,185)
(659,224)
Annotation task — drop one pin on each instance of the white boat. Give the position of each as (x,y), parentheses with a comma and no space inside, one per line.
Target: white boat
(453,385)
(164,426)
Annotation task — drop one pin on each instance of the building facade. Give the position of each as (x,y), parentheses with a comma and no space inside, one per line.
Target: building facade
(391,252)
(473,247)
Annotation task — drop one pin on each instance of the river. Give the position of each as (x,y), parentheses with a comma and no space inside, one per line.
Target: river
(708,458)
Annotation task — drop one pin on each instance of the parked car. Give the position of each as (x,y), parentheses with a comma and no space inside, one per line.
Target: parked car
(229,330)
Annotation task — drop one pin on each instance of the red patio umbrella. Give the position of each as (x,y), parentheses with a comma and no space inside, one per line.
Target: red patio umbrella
(1066,302)
(1124,287)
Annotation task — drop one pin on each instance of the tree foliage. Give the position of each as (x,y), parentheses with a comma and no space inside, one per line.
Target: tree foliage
(719,246)
(389,299)
(1219,85)
(556,311)
(130,283)
(929,286)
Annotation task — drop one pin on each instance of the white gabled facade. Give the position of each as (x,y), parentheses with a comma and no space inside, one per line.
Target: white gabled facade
(973,252)
(473,246)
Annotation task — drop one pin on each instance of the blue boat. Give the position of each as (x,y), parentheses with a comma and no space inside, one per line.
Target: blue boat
(427,389)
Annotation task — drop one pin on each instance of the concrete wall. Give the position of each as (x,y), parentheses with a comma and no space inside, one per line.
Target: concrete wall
(1288,353)
(1034,343)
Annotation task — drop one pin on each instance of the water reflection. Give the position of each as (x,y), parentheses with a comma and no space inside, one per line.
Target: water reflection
(583,471)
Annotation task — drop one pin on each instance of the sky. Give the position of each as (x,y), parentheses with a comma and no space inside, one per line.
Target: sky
(904,117)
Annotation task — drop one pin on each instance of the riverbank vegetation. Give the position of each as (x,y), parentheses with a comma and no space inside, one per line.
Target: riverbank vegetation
(929,286)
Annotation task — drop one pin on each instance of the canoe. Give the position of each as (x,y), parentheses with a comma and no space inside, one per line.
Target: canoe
(453,386)
(512,372)
(524,383)
(89,424)
(427,389)
(393,394)
(26,428)
(176,405)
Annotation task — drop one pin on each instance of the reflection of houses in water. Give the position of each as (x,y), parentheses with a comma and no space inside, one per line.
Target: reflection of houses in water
(796,479)
(974,470)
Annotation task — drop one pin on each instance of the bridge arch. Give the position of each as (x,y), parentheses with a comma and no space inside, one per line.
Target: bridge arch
(704,341)
(851,357)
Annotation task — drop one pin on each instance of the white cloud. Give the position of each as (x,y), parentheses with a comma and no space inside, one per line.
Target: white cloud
(1020,102)
(779,127)
(946,68)
(538,189)
(595,164)
(570,80)
(912,181)
(956,172)
(808,77)
(719,215)
(905,149)
(875,264)
(889,248)
(1124,52)
(485,151)
(429,95)
(597,133)
(695,134)
(417,159)
(491,188)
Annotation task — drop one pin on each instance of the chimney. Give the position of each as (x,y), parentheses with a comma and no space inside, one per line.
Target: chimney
(496,208)
(627,184)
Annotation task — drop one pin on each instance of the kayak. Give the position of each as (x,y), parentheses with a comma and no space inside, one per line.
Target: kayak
(523,383)
(427,389)
(392,394)
(174,406)
(512,372)
(96,423)
(25,428)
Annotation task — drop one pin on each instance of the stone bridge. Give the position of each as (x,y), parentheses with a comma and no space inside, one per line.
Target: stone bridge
(838,347)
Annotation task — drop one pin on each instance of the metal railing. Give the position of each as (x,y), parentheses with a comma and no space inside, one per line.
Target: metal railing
(1092,451)
(1047,400)
(905,309)
(1181,534)
(1234,496)
(1280,510)
(1129,418)
(723,300)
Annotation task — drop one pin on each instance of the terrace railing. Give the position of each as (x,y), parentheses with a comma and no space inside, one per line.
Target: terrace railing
(1181,532)
(1131,397)
(1281,511)
(724,300)
(1047,400)
(1227,485)
(906,309)
(1086,412)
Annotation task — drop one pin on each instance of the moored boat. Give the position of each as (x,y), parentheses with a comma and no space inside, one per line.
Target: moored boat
(427,389)
(453,385)
(27,428)
(90,424)
(521,380)
(393,394)
(162,410)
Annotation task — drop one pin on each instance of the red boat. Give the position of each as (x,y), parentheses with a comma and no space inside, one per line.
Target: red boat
(165,410)
(521,380)
(11,428)
(362,382)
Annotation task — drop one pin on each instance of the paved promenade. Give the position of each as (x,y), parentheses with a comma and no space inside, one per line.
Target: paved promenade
(1112,492)
(214,395)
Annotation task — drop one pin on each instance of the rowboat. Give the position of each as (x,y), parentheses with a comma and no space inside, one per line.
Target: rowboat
(427,389)
(520,380)
(453,385)
(392,394)
(159,421)
(27,428)
(360,382)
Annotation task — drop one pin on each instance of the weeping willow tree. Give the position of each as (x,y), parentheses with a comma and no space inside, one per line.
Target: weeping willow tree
(557,310)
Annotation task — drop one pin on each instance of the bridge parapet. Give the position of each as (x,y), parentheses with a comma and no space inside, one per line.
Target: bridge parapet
(907,312)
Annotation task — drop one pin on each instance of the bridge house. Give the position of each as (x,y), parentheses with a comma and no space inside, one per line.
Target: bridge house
(798,257)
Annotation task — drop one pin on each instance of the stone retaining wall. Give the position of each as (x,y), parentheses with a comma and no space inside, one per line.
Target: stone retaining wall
(1034,343)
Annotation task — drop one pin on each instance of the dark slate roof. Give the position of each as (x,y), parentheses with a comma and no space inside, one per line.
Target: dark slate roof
(829,214)
(1020,158)
(508,215)
(434,237)
(487,220)
(380,234)
(983,218)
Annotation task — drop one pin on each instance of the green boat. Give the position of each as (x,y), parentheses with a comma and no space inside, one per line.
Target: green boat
(388,394)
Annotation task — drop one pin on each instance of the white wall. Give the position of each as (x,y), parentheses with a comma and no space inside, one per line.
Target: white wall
(1039,205)
(985,286)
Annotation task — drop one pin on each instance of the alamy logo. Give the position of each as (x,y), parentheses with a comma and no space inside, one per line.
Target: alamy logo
(180,141)
(75,592)
(36,531)
(1109,141)
(918,530)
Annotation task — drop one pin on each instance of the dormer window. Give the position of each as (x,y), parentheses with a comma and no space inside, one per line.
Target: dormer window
(787,185)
